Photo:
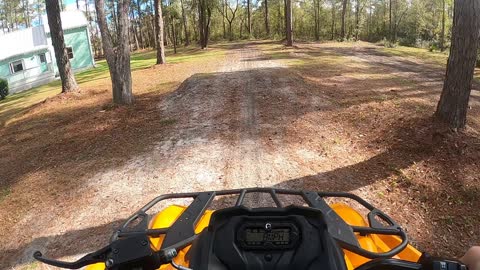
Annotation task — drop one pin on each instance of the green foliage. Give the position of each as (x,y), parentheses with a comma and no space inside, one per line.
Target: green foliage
(387,43)
(3,88)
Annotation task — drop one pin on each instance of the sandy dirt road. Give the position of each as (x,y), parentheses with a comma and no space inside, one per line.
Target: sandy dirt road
(246,125)
(257,121)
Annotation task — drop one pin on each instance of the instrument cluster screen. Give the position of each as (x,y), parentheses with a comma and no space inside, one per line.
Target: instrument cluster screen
(260,236)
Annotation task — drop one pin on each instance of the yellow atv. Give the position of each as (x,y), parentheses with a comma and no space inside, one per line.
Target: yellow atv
(310,235)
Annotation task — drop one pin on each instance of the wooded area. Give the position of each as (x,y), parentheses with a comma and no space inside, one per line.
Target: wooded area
(417,23)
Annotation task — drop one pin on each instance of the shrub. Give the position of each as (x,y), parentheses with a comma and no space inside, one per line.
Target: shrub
(3,88)
(387,43)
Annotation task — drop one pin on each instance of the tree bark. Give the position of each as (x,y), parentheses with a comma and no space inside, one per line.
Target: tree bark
(344,13)
(174,37)
(159,34)
(333,19)
(267,24)
(390,26)
(453,104)
(139,17)
(118,59)
(288,15)
(58,41)
(249,19)
(134,32)
(442,34)
(317,19)
(204,17)
(185,24)
(357,19)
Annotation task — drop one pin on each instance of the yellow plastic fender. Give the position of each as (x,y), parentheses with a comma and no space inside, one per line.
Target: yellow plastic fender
(373,243)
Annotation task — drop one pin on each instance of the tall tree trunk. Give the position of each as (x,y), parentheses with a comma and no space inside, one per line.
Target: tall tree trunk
(114,18)
(201,22)
(174,37)
(78,5)
(249,18)
(134,32)
(58,41)
(118,60)
(442,34)
(224,13)
(267,25)
(204,17)
(333,20)
(390,21)
(315,19)
(279,20)
(194,20)
(453,104)
(159,35)
(185,25)
(139,17)
(344,13)
(357,19)
(289,29)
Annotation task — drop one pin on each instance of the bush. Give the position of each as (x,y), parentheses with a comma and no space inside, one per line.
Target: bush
(3,88)
(387,43)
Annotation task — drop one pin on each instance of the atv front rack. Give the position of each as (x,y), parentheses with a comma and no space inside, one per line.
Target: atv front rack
(182,231)
(130,242)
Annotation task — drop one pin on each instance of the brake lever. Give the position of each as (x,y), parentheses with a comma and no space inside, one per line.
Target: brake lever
(91,258)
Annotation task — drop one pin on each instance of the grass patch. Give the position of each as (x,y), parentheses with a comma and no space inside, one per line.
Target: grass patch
(17,103)
(437,58)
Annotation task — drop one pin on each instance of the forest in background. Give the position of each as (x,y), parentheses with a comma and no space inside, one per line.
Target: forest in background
(417,23)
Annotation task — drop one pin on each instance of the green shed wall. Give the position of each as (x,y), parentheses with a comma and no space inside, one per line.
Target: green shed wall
(78,39)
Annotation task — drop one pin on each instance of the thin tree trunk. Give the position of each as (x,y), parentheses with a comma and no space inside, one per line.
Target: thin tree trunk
(317,19)
(78,5)
(185,25)
(159,33)
(249,19)
(279,21)
(289,30)
(139,22)
(153,40)
(390,21)
(267,25)
(174,37)
(118,60)
(224,12)
(333,20)
(453,104)
(442,34)
(357,19)
(134,33)
(56,31)
(344,13)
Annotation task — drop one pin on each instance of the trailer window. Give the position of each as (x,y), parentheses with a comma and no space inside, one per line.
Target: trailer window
(16,66)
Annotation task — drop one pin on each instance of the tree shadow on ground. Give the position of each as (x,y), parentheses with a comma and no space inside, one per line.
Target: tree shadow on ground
(74,143)
(415,141)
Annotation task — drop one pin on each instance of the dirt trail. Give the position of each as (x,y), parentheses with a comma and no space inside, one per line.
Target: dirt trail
(258,122)
(238,127)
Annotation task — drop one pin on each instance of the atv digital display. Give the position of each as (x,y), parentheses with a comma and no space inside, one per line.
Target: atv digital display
(258,236)
(262,234)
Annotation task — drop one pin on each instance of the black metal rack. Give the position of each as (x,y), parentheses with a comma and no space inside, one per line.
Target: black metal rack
(182,231)
(130,242)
